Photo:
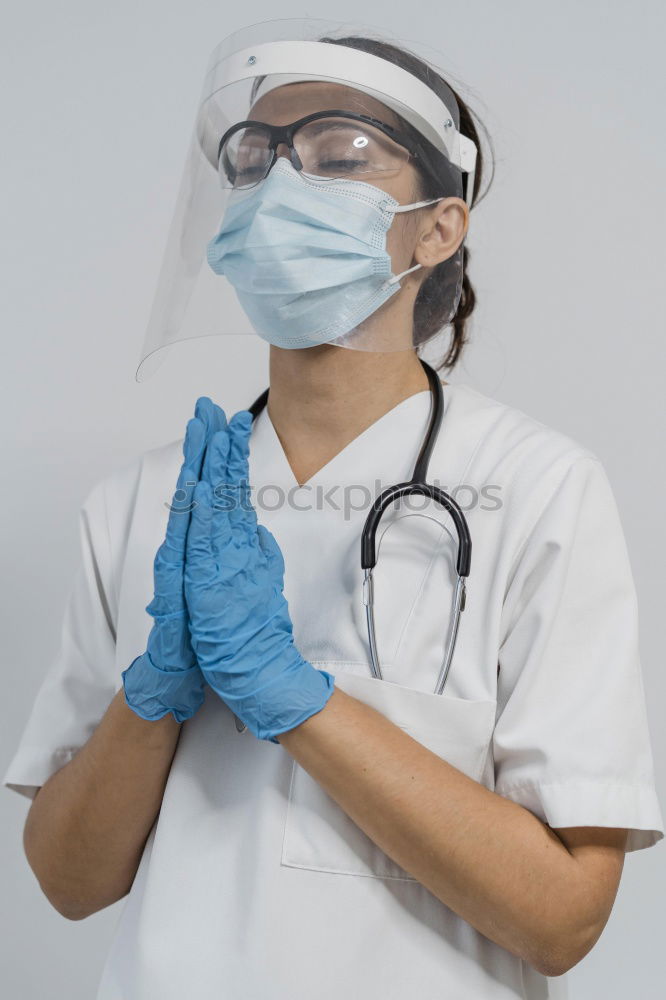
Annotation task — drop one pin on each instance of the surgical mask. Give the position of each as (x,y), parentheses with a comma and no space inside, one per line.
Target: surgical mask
(307,256)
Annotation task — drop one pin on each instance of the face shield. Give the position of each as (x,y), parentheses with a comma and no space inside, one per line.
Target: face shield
(298,209)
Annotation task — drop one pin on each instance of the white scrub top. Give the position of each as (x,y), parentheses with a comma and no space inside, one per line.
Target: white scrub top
(254,882)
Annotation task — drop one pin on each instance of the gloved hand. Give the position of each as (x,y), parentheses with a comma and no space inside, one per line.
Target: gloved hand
(239,620)
(166,678)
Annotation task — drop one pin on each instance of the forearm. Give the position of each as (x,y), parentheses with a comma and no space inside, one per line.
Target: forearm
(88,824)
(490,860)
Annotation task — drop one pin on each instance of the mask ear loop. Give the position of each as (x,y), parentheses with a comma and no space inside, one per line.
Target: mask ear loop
(397,277)
(413,205)
(406,208)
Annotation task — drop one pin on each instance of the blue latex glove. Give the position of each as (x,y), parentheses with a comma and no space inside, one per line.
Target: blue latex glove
(166,678)
(239,620)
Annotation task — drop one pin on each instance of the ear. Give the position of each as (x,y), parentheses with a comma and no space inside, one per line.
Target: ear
(443,229)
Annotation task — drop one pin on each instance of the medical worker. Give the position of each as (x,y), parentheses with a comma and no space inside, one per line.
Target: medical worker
(210,743)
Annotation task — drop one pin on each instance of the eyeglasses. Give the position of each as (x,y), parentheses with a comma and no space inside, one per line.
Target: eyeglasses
(326,144)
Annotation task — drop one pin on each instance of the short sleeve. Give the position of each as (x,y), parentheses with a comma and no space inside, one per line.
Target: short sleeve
(80,682)
(571,741)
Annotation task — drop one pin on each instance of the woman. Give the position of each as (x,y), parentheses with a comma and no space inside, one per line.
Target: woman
(285,823)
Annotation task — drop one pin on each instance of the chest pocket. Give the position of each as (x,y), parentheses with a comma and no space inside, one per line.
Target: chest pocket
(319,834)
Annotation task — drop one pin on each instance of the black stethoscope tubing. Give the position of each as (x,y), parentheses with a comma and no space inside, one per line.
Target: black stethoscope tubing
(416,486)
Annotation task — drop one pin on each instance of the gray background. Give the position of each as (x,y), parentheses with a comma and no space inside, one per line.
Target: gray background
(97,103)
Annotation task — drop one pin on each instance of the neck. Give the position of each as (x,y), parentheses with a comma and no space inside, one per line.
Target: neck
(321,398)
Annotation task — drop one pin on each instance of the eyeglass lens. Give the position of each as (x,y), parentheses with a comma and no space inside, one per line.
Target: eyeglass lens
(327,147)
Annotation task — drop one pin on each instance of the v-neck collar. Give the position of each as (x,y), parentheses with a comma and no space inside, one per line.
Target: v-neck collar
(387,448)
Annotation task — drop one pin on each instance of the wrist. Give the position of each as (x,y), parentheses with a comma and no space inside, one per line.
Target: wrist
(285,701)
(152,692)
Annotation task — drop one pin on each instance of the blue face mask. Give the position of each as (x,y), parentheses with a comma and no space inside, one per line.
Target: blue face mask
(307,257)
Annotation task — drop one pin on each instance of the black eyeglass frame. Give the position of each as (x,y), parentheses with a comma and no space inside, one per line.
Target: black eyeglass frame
(285,134)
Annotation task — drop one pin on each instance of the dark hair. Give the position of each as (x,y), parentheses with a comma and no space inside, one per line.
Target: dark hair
(429,307)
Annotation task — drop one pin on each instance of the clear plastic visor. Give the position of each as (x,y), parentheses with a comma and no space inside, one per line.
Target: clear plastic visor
(287,222)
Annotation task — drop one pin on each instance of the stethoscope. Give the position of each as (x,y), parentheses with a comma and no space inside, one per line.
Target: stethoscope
(416,486)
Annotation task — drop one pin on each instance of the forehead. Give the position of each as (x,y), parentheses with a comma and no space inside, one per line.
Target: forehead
(291,101)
